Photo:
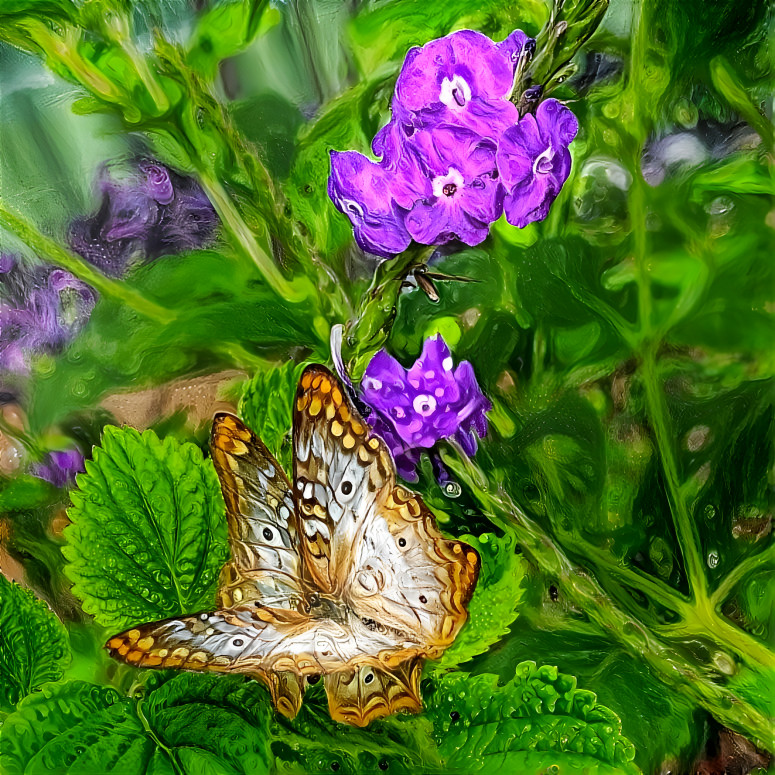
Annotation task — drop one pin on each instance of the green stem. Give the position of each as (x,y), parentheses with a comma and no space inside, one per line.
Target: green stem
(761,560)
(48,249)
(368,332)
(586,594)
(651,587)
(176,766)
(248,244)
(685,527)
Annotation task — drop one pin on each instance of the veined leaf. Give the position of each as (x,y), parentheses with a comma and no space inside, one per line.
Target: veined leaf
(148,537)
(313,743)
(267,408)
(33,644)
(539,719)
(495,603)
(192,723)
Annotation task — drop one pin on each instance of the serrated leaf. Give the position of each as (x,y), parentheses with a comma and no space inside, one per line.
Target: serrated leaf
(148,537)
(313,743)
(495,603)
(267,408)
(481,726)
(33,644)
(192,724)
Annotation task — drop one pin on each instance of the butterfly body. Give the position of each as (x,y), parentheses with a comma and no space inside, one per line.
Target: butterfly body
(343,575)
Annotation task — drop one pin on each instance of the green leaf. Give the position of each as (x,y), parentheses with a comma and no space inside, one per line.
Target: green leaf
(25,492)
(495,603)
(226,29)
(386,31)
(267,408)
(663,726)
(537,720)
(33,644)
(190,724)
(314,743)
(148,537)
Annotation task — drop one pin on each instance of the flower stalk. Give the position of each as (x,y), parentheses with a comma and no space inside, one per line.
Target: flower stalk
(369,330)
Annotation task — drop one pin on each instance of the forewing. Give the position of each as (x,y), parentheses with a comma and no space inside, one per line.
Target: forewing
(365,539)
(262,525)
(339,471)
(366,693)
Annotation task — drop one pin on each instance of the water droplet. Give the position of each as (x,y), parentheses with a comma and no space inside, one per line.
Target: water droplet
(724,663)
(452,490)
(713,559)
(709,512)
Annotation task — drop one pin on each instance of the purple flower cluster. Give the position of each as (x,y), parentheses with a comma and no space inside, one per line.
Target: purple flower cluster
(456,153)
(414,409)
(148,213)
(41,309)
(60,467)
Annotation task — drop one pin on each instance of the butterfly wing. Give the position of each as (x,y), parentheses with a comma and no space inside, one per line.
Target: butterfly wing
(260,513)
(364,539)
(369,692)
(282,648)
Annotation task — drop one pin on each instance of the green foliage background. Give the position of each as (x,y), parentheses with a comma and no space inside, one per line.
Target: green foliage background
(622,501)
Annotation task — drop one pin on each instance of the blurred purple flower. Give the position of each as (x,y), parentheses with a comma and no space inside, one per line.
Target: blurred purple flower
(157,183)
(60,467)
(534,161)
(149,213)
(41,309)
(414,409)
(187,223)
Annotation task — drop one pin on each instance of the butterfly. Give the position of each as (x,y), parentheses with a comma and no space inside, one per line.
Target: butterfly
(342,576)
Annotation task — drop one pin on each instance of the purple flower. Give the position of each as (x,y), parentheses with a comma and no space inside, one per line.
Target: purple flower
(148,213)
(462,193)
(187,223)
(157,184)
(414,409)
(461,79)
(455,150)
(41,309)
(515,47)
(363,191)
(60,467)
(534,161)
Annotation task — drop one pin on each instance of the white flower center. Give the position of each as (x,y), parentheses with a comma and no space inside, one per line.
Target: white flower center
(543,163)
(424,405)
(455,93)
(447,185)
(352,207)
